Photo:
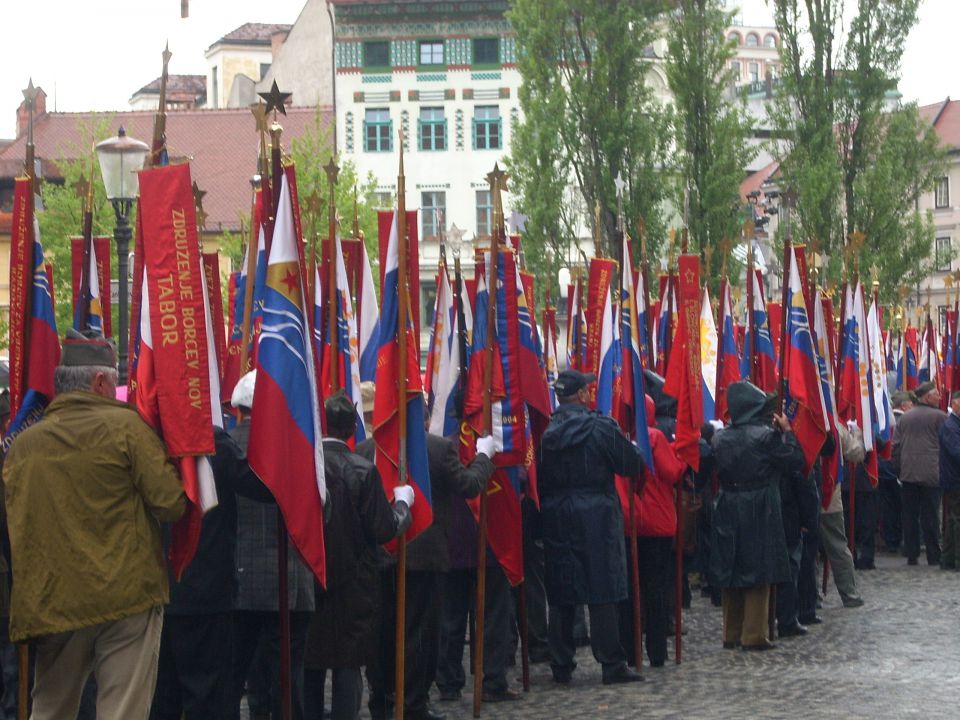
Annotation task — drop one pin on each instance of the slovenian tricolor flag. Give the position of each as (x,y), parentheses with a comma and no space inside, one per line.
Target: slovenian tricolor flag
(728,371)
(833,465)
(708,357)
(386,406)
(286,447)
(368,332)
(445,369)
(803,398)
(761,350)
(631,375)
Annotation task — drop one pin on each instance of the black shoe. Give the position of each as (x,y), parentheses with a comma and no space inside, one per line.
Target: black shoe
(450,695)
(795,630)
(622,674)
(562,675)
(854,603)
(427,713)
(730,644)
(765,645)
(911,561)
(812,620)
(500,696)
(865,565)
(540,656)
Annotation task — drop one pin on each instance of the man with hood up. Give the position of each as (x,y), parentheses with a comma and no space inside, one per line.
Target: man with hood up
(583,531)
(748,551)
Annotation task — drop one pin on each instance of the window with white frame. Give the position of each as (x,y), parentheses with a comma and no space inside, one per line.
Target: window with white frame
(769,40)
(486,128)
(942,193)
(377,130)
(484,212)
(432,208)
(431,52)
(754,69)
(943,254)
(735,70)
(753,40)
(433,129)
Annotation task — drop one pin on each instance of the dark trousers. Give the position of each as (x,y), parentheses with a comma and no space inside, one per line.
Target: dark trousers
(458,593)
(951,530)
(533,585)
(921,508)
(422,644)
(807,580)
(345,697)
(249,628)
(192,677)
(604,637)
(655,556)
(866,516)
(888,491)
(787,594)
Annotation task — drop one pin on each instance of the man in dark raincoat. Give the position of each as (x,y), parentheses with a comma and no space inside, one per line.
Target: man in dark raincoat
(583,527)
(748,551)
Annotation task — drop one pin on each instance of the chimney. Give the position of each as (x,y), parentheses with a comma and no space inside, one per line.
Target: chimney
(23,117)
(276,42)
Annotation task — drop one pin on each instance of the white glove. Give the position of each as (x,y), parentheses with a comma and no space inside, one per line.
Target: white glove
(403,493)
(488,446)
(852,426)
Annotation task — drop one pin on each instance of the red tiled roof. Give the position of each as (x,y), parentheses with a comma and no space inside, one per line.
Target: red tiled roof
(221,144)
(192,84)
(254,34)
(945,118)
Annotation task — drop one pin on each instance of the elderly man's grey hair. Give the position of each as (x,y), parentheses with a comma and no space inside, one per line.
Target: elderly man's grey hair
(69,378)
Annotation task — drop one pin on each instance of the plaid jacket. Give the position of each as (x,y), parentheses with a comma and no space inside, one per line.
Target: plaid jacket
(257,554)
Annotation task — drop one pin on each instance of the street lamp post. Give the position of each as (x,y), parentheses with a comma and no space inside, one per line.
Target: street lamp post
(121,158)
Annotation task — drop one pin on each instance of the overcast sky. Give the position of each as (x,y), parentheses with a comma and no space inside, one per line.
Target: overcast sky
(94,54)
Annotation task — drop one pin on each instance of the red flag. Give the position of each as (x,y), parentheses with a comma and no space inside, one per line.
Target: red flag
(598,293)
(34,345)
(101,247)
(211,266)
(683,379)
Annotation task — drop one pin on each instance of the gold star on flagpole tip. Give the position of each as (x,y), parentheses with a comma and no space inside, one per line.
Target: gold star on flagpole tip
(332,170)
(498,176)
(259,111)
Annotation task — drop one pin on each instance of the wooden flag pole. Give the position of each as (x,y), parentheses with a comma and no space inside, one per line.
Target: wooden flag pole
(402,310)
(333,328)
(781,389)
(631,302)
(495,179)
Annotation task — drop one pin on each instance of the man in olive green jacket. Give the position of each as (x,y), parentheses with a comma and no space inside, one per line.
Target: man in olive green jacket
(86,489)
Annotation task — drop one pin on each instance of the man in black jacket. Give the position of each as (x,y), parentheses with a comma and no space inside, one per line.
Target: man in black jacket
(748,546)
(341,635)
(427,558)
(192,676)
(579,455)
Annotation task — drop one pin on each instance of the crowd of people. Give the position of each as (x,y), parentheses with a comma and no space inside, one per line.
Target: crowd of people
(89,494)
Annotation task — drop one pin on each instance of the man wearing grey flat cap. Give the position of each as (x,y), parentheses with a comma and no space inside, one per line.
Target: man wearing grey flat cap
(86,489)
(916,458)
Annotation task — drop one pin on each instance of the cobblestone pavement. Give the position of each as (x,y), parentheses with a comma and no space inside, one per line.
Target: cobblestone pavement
(898,656)
(895,657)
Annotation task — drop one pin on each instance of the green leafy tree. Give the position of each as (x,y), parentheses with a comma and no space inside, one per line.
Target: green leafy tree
(850,163)
(311,152)
(710,128)
(590,114)
(62,215)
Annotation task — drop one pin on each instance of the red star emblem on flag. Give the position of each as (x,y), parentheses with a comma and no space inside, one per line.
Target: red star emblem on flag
(291,281)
